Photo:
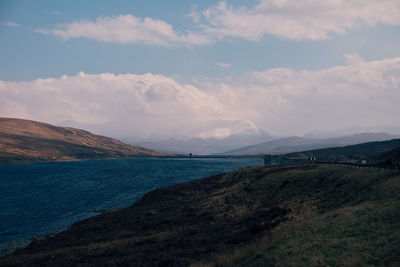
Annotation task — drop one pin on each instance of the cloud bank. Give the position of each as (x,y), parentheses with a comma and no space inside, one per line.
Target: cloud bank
(296,20)
(279,101)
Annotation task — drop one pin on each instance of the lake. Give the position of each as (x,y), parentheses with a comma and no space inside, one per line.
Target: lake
(41,197)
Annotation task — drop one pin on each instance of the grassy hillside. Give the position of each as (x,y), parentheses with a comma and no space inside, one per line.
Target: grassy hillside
(295,143)
(24,141)
(347,153)
(309,215)
(391,157)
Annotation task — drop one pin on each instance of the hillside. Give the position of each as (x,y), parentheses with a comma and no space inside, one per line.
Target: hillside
(391,157)
(309,215)
(348,153)
(25,141)
(295,143)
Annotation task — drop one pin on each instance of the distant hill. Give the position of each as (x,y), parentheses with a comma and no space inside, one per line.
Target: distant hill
(371,151)
(25,141)
(207,146)
(296,143)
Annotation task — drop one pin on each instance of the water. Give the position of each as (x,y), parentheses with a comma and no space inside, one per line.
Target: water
(37,198)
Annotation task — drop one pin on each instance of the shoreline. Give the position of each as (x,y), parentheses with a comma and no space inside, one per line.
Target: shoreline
(135,157)
(8,247)
(11,246)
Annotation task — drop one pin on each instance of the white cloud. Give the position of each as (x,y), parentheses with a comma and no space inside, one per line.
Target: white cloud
(279,101)
(358,94)
(11,24)
(299,20)
(194,15)
(223,65)
(126,29)
(218,133)
(137,105)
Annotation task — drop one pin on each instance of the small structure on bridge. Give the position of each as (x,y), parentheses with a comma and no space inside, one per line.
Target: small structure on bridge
(267,160)
(270,160)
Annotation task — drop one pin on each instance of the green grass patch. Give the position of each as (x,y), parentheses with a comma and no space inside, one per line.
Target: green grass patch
(367,234)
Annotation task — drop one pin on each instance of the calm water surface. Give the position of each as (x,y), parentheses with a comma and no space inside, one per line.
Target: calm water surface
(37,198)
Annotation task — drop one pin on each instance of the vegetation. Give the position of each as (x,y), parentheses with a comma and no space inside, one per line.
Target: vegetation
(295,143)
(391,157)
(346,153)
(361,235)
(307,215)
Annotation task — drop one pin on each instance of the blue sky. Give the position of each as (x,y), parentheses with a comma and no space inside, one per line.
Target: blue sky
(219,48)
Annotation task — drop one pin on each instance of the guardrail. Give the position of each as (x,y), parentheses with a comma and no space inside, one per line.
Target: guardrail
(369,167)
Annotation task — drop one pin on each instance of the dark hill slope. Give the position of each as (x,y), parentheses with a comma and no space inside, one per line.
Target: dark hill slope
(296,143)
(391,157)
(309,215)
(24,141)
(347,153)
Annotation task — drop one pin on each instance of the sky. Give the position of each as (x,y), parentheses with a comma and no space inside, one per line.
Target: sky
(162,69)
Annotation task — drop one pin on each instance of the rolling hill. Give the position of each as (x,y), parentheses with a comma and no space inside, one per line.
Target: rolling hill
(27,141)
(370,151)
(388,158)
(295,143)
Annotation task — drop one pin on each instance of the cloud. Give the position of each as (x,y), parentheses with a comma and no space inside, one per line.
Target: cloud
(11,24)
(135,105)
(358,94)
(218,133)
(223,65)
(194,15)
(280,101)
(298,20)
(126,29)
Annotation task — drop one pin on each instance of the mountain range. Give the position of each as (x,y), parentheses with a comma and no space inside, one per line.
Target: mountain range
(205,146)
(241,137)
(26,141)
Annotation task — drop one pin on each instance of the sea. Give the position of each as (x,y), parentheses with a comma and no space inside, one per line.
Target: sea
(37,199)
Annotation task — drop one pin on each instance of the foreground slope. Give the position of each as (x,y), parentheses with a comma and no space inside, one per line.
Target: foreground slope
(308,215)
(25,140)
